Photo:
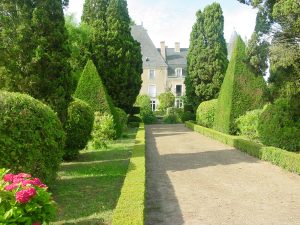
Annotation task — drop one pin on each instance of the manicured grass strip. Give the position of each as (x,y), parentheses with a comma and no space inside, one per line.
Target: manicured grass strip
(88,189)
(131,204)
(285,159)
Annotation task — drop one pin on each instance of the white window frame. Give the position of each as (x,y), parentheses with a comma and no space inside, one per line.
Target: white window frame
(178,103)
(154,75)
(178,72)
(152,95)
(181,94)
(153,104)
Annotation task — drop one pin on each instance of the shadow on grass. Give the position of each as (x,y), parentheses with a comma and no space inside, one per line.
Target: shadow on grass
(88,189)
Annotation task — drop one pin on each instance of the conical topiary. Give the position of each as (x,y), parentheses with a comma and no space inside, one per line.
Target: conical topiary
(241,91)
(91,90)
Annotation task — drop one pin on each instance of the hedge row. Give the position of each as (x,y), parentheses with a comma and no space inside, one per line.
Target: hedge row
(287,160)
(131,204)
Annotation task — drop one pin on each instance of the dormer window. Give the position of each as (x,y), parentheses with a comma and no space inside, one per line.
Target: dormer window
(178,72)
(151,74)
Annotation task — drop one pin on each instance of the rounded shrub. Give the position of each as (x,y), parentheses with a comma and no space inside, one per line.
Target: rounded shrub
(123,119)
(146,113)
(103,130)
(31,136)
(278,126)
(206,113)
(173,116)
(248,124)
(166,100)
(78,128)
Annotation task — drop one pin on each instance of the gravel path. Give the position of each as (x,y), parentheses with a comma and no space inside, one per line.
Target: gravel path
(194,180)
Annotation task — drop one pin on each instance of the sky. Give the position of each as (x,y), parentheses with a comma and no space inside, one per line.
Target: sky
(172,20)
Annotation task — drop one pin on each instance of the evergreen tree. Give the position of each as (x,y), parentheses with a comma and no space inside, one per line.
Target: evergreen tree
(115,53)
(207,58)
(242,91)
(34,51)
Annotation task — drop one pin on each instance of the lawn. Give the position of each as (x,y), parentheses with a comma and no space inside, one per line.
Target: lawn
(88,189)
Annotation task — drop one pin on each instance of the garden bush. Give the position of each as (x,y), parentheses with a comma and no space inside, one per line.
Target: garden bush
(166,100)
(122,119)
(31,136)
(78,128)
(90,89)
(173,116)
(248,124)
(241,91)
(103,130)
(24,200)
(146,113)
(186,116)
(279,127)
(206,113)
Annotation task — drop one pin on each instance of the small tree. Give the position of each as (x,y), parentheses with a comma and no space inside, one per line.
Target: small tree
(166,100)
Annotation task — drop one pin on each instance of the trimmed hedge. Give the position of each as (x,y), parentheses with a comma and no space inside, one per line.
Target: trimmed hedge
(122,119)
(279,126)
(241,91)
(31,136)
(78,128)
(90,89)
(287,160)
(131,204)
(206,113)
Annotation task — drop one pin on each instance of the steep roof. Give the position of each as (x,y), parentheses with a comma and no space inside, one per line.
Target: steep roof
(151,57)
(176,58)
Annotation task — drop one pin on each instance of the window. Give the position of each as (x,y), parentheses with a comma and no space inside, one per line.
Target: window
(178,90)
(151,74)
(153,105)
(152,91)
(178,72)
(179,103)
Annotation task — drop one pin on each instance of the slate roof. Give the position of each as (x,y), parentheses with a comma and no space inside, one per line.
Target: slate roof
(176,60)
(151,57)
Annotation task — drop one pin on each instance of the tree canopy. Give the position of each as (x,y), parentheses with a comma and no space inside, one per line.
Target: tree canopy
(207,57)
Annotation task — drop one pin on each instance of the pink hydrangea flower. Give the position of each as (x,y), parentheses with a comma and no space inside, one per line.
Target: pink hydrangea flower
(8,177)
(22,196)
(42,186)
(36,224)
(31,192)
(11,187)
(23,175)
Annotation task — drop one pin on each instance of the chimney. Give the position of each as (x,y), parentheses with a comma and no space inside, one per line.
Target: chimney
(163,49)
(177,46)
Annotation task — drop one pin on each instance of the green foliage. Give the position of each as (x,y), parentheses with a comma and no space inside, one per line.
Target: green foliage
(146,113)
(115,53)
(166,100)
(279,126)
(39,208)
(103,130)
(187,116)
(123,119)
(31,136)
(248,124)
(173,116)
(206,113)
(287,160)
(79,39)
(207,57)
(257,53)
(91,90)
(241,91)
(131,205)
(78,128)
(34,51)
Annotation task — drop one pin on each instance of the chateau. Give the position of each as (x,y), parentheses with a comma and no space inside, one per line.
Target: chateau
(164,69)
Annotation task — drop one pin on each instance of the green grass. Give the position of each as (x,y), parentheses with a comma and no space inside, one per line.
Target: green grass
(131,205)
(286,160)
(88,189)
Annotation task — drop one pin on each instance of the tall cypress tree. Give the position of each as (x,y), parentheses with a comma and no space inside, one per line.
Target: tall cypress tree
(115,53)
(208,55)
(34,51)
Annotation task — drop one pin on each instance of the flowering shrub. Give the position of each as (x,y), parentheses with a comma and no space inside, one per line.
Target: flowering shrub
(24,200)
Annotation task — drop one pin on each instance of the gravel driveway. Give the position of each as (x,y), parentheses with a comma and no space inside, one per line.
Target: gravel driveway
(194,180)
